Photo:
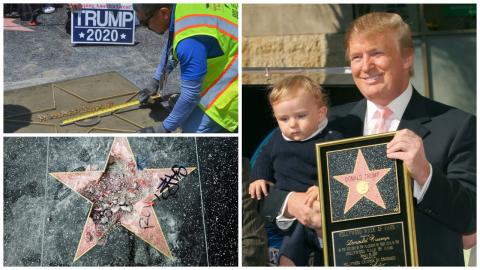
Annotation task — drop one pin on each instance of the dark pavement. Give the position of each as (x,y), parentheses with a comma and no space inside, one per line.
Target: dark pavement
(46,55)
(43,219)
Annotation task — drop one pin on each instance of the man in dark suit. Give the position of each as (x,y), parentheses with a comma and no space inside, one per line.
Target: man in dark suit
(436,142)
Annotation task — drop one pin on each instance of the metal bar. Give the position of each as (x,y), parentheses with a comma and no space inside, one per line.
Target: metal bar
(99,112)
(287,70)
(112,109)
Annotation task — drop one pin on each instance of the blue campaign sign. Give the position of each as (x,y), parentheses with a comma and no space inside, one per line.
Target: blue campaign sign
(103,26)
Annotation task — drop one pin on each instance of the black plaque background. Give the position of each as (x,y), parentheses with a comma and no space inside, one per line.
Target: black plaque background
(329,226)
(387,250)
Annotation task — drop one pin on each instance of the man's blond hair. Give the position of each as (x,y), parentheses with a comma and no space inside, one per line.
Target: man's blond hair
(380,22)
(292,86)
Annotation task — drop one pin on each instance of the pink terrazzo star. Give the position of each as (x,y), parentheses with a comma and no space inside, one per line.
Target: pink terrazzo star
(8,24)
(121,194)
(362,183)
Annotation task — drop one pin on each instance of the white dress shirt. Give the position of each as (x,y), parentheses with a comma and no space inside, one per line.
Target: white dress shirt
(397,106)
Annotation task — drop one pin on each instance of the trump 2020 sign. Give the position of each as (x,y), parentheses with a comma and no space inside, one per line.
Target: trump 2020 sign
(103,26)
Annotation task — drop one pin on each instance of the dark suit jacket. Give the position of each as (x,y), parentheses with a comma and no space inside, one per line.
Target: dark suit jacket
(448,208)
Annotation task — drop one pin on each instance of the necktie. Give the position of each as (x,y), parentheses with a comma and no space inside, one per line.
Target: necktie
(383,123)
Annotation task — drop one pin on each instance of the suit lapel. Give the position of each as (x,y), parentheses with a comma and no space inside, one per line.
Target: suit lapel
(353,122)
(415,115)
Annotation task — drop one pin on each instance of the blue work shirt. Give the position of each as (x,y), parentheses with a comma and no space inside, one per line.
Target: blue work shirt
(192,54)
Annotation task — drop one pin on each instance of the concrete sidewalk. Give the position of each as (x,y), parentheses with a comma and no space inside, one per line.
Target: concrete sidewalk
(46,55)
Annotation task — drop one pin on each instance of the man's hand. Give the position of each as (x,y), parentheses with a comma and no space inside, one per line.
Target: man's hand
(308,216)
(408,146)
(150,90)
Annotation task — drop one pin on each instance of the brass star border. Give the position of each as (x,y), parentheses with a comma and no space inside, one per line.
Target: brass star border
(135,211)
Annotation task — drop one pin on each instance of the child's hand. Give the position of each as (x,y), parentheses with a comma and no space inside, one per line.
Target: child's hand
(312,196)
(258,187)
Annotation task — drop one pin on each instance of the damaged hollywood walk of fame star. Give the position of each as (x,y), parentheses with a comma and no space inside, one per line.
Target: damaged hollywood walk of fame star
(120,194)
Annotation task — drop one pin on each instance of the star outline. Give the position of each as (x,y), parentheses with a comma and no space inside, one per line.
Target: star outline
(336,219)
(168,253)
(361,168)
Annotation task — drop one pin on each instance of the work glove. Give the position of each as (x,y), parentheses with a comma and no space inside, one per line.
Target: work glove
(157,129)
(150,90)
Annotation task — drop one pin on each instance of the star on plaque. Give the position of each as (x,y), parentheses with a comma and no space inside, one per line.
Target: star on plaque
(362,182)
(81,35)
(123,36)
(122,194)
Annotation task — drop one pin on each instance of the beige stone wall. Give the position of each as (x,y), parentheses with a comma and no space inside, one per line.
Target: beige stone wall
(318,50)
(279,36)
(303,51)
(294,19)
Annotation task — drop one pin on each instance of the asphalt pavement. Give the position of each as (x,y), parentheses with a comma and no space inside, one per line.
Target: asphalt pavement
(45,55)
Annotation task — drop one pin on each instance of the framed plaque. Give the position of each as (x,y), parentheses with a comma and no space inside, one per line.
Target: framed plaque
(366,204)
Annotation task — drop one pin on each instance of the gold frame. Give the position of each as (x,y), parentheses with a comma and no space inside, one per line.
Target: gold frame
(409,223)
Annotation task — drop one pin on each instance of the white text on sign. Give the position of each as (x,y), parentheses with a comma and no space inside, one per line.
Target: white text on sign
(94,18)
